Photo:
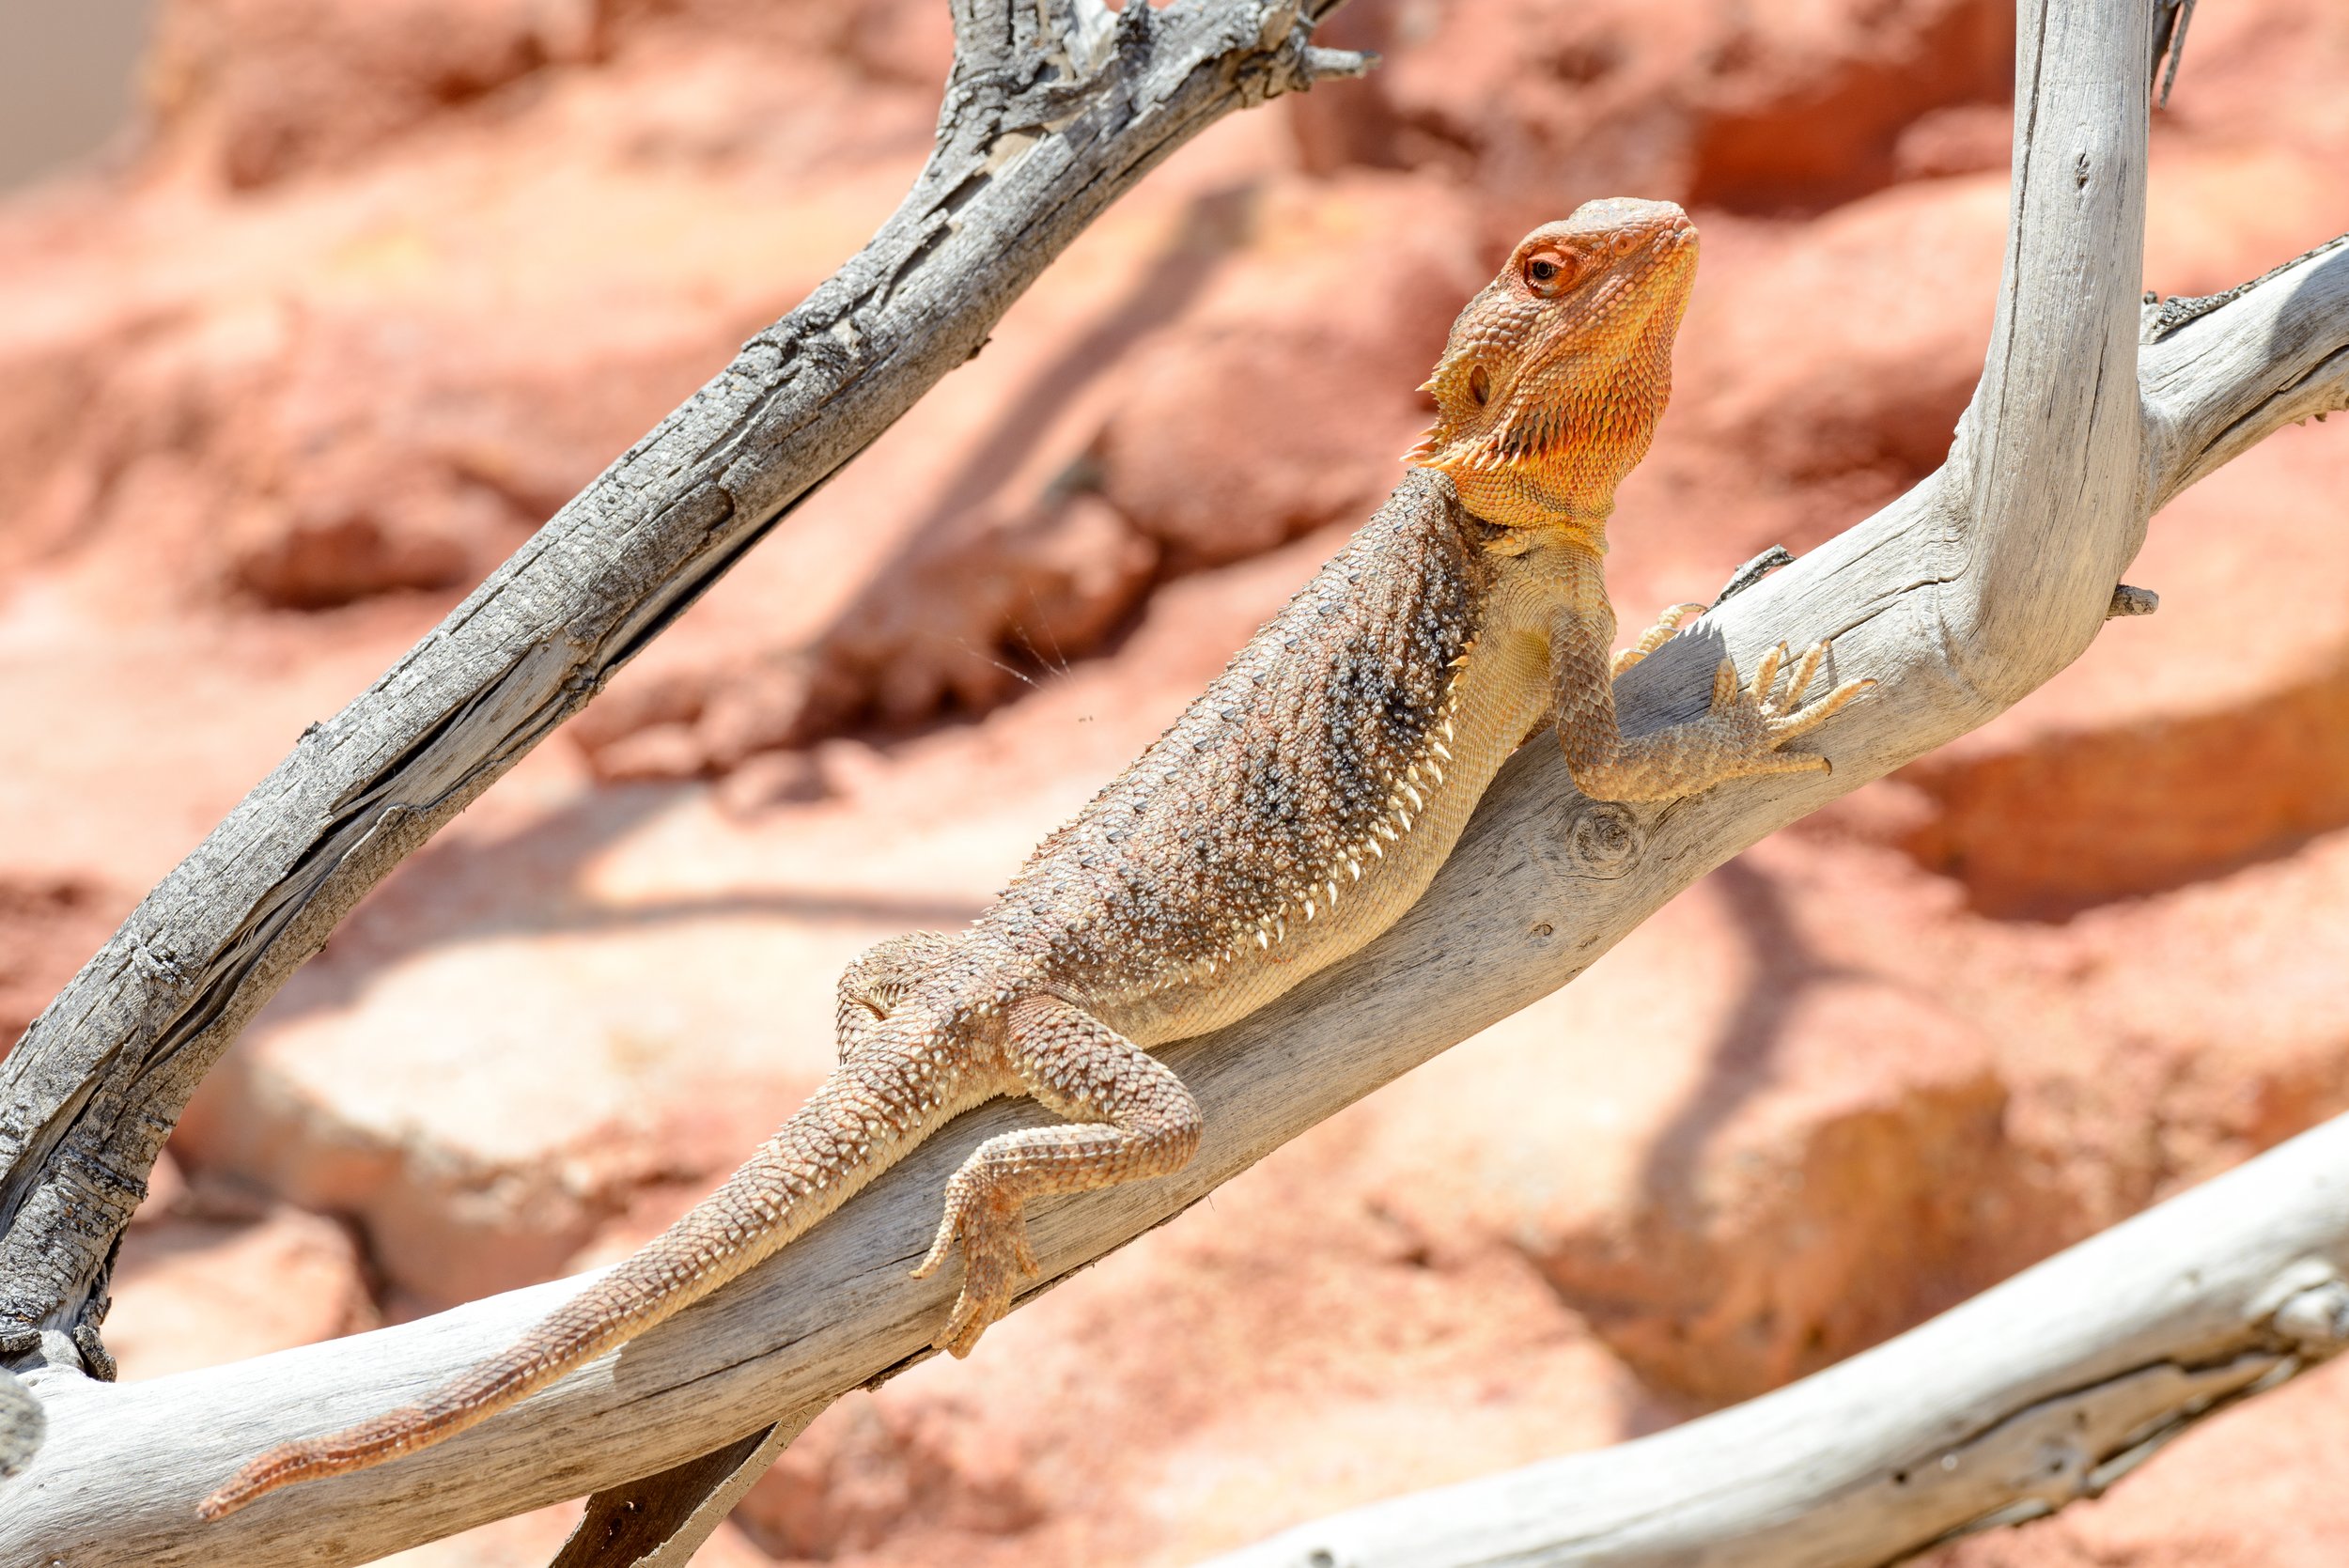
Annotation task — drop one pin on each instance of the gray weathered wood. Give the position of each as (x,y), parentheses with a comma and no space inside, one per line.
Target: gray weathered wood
(2049,1388)
(21,1426)
(1975,587)
(1055,107)
(660,1520)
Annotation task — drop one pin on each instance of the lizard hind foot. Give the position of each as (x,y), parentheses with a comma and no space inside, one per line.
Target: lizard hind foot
(991,1228)
(1132,1119)
(1787,717)
(1753,722)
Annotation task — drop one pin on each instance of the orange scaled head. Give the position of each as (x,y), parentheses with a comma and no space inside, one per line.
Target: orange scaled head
(1556,373)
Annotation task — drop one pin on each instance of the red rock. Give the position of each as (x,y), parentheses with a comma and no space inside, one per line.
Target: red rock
(957,623)
(873,1468)
(272,88)
(1809,110)
(378,378)
(195,1292)
(1752,110)
(1965,138)
(1764,1144)
(1873,384)
(1286,400)
(1352,123)
(145,733)
(48,928)
(2266,74)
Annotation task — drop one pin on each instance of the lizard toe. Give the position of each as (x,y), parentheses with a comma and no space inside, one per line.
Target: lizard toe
(1786,727)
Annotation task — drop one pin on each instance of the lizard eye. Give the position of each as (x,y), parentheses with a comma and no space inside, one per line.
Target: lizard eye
(1480,385)
(1548,271)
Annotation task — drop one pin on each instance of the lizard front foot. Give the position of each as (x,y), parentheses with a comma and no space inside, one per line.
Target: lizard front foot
(992,1227)
(1667,626)
(1750,725)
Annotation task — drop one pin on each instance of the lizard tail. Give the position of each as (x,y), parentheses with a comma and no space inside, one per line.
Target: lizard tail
(875,1106)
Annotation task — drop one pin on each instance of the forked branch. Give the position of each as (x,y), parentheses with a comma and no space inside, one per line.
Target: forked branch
(1054,108)
(1961,596)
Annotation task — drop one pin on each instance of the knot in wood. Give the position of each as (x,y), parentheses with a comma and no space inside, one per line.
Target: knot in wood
(1602,839)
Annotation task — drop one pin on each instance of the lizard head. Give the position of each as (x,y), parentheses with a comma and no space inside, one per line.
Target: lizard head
(1556,373)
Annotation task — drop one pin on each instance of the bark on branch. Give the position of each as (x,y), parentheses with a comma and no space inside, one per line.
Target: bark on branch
(1971,590)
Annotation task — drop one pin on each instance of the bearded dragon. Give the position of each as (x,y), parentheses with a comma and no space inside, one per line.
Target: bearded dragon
(1291,814)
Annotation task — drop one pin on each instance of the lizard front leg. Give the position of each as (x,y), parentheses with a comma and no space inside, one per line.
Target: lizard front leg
(1739,737)
(1138,1121)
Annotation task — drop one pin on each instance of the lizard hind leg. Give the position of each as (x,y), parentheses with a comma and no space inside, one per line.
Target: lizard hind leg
(873,986)
(1134,1120)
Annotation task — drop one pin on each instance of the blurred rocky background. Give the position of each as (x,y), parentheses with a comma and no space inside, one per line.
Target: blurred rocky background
(364,288)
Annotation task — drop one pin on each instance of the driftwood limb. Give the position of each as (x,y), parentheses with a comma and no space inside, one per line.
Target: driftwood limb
(2170,19)
(1961,596)
(661,1520)
(2047,1389)
(1054,108)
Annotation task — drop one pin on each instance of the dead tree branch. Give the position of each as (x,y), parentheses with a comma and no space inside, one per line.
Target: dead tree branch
(1978,586)
(2048,1389)
(1054,108)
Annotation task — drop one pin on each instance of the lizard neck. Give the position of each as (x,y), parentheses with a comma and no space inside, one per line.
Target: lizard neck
(1551,465)
(1530,513)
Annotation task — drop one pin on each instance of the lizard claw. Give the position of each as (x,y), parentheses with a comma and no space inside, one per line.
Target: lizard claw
(1667,626)
(990,1227)
(1754,722)
(1725,686)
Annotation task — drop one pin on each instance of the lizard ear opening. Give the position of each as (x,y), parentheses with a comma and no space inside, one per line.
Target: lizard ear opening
(1480,386)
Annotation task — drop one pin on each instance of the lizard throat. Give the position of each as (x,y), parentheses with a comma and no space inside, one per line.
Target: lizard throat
(1526,501)
(1550,460)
